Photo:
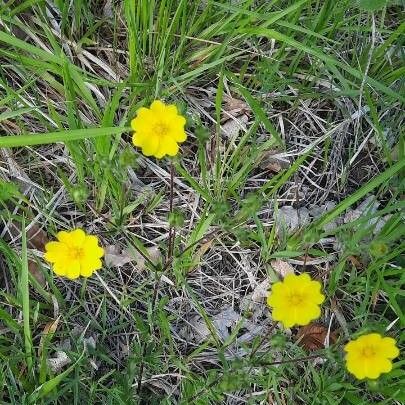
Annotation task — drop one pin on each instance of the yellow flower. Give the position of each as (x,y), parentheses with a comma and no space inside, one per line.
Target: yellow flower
(370,355)
(296,300)
(75,254)
(158,130)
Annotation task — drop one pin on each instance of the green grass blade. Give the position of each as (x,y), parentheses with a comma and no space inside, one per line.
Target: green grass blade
(367,188)
(25,298)
(60,136)
(258,111)
(272,34)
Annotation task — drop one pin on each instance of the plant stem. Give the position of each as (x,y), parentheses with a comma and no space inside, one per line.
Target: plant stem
(157,278)
(25,297)
(172,230)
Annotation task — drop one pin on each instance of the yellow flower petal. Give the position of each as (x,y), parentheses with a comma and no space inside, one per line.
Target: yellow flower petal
(91,247)
(170,145)
(157,106)
(172,110)
(73,270)
(53,250)
(150,145)
(63,237)
(88,268)
(59,268)
(138,139)
(388,348)
(77,237)
(178,134)
(350,347)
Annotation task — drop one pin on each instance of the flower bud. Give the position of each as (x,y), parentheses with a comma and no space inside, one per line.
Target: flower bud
(378,249)
(79,194)
(176,219)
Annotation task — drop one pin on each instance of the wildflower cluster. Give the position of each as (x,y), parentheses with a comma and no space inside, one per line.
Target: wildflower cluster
(296,300)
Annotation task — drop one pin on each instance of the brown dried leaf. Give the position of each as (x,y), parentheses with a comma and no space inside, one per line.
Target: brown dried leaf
(200,253)
(49,329)
(274,162)
(355,262)
(312,336)
(36,238)
(234,108)
(36,273)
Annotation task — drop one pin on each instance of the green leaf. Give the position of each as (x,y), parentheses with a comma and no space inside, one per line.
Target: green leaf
(9,321)
(8,190)
(372,5)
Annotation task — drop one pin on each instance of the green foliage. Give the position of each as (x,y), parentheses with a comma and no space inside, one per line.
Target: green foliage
(8,191)
(73,76)
(176,218)
(372,5)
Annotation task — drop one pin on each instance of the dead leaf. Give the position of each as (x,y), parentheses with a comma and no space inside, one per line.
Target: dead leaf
(153,253)
(232,127)
(200,56)
(234,107)
(274,161)
(368,206)
(56,364)
(49,329)
(334,306)
(107,9)
(89,343)
(261,291)
(223,323)
(281,267)
(33,268)
(355,262)
(36,238)
(200,253)
(292,218)
(312,337)
(115,257)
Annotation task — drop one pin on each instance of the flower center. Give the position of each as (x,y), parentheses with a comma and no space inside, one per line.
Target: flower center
(76,253)
(368,351)
(160,128)
(296,299)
